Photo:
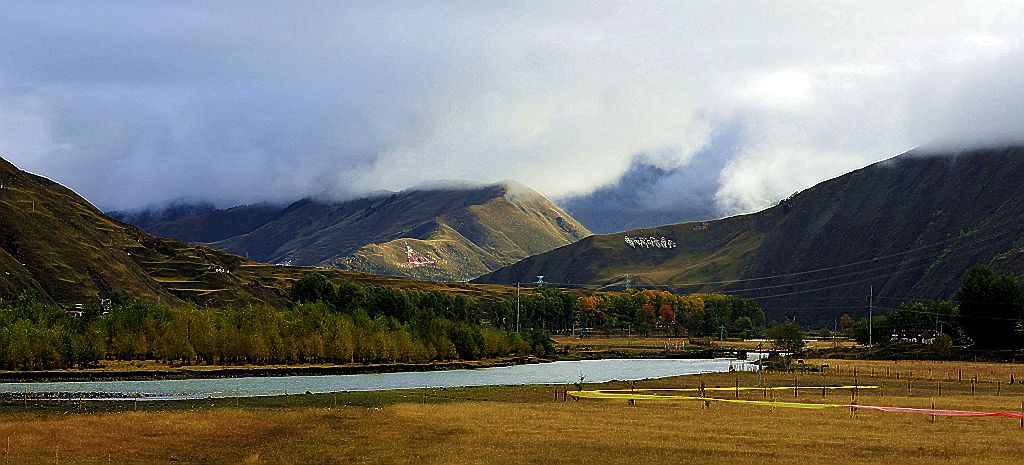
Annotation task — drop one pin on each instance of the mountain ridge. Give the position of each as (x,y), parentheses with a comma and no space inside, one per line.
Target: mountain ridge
(439,232)
(959,209)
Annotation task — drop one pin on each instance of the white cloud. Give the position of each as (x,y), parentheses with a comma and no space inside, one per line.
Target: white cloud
(132,105)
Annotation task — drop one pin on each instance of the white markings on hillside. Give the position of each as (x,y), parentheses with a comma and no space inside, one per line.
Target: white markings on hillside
(414,259)
(650,242)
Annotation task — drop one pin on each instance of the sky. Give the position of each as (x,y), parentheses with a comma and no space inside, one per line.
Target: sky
(138,103)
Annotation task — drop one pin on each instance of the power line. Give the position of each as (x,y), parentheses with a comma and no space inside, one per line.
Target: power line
(966,247)
(978,240)
(830,268)
(963,250)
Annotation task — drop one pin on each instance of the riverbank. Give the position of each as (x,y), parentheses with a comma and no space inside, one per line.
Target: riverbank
(566,349)
(151,370)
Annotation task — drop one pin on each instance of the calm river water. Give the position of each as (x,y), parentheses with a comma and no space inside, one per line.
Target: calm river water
(564,372)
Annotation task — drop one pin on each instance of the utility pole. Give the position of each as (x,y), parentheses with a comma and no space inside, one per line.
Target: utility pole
(629,281)
(517,307)
(871,310)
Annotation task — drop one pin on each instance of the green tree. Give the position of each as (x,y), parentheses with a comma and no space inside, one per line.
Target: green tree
(943,345)
(348,297)
(787,336)
(992,307)
(744,326)
(312,288)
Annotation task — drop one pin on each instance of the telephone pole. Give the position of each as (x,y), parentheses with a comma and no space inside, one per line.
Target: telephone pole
(517,307)
(871,309)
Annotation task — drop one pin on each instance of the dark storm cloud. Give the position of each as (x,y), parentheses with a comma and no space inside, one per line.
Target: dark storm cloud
(134,103)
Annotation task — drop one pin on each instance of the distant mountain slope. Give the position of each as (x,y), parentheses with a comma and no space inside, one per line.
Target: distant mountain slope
(57,245)
(908,226)
(428,233)
(215,224)
(146,218)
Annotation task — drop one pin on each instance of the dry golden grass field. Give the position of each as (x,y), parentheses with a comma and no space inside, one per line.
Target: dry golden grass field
(531,424)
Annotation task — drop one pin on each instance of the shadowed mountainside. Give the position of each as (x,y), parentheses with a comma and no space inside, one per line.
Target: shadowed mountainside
(908,226)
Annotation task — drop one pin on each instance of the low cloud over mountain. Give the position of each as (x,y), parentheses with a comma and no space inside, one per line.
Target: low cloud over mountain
(134,104)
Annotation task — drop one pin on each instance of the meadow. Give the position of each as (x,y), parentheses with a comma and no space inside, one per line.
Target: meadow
(542,424)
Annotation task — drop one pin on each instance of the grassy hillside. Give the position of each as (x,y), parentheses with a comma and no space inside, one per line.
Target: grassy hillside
(908,226)
(452,233)
(58,245)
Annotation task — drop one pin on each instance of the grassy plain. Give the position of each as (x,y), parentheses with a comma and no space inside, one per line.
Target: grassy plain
(532,424)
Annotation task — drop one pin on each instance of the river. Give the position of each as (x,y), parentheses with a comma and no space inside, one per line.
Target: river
(561,372)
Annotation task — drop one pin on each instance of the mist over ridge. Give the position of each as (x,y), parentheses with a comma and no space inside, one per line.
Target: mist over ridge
(592,106)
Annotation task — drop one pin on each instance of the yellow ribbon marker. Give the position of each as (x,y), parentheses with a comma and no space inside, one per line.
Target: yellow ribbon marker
(639,394)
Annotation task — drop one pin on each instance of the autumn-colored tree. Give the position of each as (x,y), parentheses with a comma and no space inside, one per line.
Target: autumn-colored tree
(646,319)
(845,321)
(667,318)
(589,314)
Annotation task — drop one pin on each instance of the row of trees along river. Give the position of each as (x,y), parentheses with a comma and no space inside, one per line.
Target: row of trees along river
(348,323)
(362,323)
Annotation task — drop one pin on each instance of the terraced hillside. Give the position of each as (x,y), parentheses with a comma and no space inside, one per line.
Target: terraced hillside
(56,244)
(908,226)
(446,234)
